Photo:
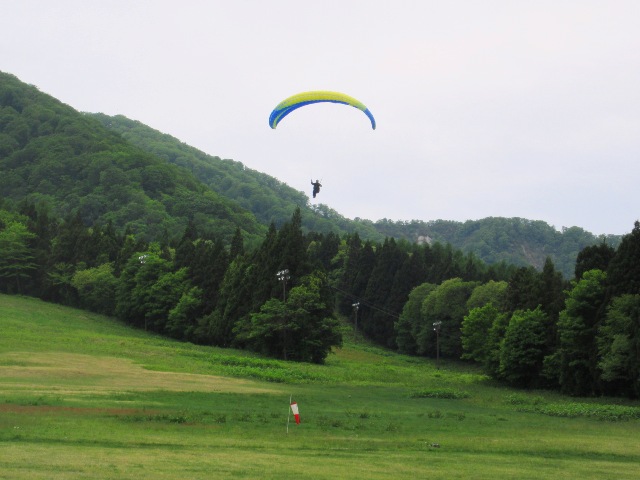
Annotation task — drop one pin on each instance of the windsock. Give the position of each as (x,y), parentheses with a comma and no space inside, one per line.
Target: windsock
(296,414)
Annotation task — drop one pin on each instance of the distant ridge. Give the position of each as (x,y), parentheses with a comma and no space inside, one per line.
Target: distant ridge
(494,239)
(120,170)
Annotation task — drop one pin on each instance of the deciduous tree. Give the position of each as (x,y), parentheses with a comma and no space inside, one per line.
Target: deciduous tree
(522,350)
(16,256)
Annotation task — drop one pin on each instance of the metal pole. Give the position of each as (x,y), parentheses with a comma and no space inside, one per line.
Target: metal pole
(288,414)
(283,276)
(436,328)
(355,327)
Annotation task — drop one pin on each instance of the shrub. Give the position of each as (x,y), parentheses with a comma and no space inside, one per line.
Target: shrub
(440,393)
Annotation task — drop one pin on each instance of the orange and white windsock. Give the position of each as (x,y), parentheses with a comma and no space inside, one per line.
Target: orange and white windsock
(296,414)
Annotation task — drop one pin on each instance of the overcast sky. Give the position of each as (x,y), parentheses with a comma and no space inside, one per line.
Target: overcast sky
(484,108)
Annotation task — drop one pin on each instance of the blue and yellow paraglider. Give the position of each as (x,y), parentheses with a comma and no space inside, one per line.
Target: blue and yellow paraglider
(294,102)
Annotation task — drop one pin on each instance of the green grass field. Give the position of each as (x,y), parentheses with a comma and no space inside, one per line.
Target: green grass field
(84,396)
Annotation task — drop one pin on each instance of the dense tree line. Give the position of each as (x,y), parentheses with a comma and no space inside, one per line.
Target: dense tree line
(106,214)
(527,327)
(537,330)
(119,170)
(517,241)
(204,289)
(199,288)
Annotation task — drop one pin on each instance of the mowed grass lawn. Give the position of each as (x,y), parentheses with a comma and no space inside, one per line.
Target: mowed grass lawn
(84,396)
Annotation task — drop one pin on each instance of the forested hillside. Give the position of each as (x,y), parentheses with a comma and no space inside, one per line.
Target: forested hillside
(524,327)
(120,170)
(91,220)
(69,163)
(513,240)
(269,199)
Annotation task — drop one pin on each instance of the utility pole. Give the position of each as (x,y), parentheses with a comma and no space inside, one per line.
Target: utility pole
(355,306)
(143,259)
(436,327)
(283,276)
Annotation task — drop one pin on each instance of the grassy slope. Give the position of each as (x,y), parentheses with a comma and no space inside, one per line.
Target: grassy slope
(82,396)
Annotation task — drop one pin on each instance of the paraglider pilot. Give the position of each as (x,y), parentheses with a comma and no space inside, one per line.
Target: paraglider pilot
(316,187)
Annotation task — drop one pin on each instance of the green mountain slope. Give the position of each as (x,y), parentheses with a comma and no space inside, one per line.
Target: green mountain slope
(120,170)
(513,240)
(266,197)
(51,154)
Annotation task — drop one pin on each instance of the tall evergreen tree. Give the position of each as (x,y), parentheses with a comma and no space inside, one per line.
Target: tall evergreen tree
(592,258)
(350,270)
(207,271)
(233,305)
(71,242)
(619,347)
(358,265)
(109,243)
(291,248)
(185,251)
(265,262)
(411,273)
(522,292)
(577,329)
(327,247)
(237,245)
(551,288)
(441,264)
(44,226)
(377,319)
(623,273)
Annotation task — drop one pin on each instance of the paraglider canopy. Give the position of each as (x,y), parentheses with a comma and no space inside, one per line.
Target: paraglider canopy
(294,102)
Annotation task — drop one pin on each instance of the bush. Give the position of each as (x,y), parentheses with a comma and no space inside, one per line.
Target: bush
(610,413)
(440,393)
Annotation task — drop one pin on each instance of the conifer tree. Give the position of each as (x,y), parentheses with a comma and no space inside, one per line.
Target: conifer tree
(619,347)
(623,273)
(522,292)
(378,318)
(577,329)
(350,270)
(593,257)
(237,245)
